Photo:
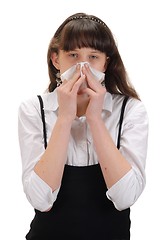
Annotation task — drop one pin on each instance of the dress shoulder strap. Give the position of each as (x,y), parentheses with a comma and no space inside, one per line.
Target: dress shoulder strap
(43,120)
(121,120)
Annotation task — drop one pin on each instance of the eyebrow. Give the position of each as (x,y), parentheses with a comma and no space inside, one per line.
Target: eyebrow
(95,52)
(92,51)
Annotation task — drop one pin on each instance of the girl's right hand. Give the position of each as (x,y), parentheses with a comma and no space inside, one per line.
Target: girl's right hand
(67,96)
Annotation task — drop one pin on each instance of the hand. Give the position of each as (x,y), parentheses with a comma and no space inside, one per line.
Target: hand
(67,96)
(96,93)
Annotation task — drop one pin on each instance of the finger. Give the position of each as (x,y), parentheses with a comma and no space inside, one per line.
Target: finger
(69,84)
(94,89)
(91,80)
(77,84)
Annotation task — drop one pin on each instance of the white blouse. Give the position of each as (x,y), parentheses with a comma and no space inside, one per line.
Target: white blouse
(133,146)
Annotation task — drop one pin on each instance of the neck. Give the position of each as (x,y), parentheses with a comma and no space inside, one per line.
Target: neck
(82,106)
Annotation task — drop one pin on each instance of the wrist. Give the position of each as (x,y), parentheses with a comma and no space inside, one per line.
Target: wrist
(94,120)
(65,121)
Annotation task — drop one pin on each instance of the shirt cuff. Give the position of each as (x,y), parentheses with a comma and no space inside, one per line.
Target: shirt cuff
(40,194)
(123,193)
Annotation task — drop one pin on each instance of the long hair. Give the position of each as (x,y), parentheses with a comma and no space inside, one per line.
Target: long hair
(82,30)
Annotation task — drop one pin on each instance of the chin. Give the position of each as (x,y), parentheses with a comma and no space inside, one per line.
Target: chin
(80,93)
(82,96)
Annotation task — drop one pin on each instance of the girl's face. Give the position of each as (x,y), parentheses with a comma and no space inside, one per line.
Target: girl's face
(65,60)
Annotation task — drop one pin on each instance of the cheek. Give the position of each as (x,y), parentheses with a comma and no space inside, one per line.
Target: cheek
(99,66)
(103,67)
(64,67)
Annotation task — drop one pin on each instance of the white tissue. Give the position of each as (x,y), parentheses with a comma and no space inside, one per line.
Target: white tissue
(99,76)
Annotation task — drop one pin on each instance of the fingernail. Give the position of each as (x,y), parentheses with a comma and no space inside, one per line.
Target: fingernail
(86,65)
(78,66)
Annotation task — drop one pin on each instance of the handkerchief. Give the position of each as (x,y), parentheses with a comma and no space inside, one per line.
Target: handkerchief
(69,73)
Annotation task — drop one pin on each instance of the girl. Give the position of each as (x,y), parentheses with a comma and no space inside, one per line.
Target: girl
(84,142)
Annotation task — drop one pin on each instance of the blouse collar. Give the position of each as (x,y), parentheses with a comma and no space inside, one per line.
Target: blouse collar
(51,102)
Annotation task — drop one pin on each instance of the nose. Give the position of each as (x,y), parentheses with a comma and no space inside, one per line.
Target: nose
(82,63)
(83,58)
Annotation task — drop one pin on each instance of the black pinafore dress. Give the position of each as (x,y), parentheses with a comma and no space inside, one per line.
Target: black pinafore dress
(82,210)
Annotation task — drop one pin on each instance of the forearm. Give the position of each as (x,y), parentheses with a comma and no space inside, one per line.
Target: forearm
(114,166)
(51,165)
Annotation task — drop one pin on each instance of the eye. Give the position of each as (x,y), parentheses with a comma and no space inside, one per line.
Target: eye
(93,57)
(73,55)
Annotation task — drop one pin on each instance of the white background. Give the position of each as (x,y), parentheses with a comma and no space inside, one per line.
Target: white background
(26,28)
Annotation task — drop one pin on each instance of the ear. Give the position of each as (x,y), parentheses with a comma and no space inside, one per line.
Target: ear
(55,60)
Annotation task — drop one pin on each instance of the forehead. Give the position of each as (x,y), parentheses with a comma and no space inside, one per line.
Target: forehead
(85,50)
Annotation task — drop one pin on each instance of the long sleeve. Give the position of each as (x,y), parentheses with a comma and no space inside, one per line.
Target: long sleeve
(31,143)
(134,141)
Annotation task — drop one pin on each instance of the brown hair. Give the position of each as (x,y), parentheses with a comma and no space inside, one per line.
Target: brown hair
(82,30)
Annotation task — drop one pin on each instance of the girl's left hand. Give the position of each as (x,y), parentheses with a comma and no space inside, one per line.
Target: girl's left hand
(96,93)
